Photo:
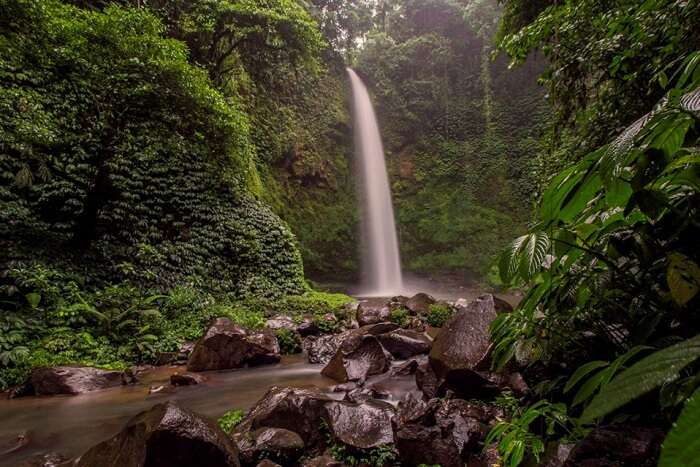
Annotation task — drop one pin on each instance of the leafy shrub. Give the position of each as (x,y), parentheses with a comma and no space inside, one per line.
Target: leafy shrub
(400,316)
(231,419)
(289,341)
(438,314)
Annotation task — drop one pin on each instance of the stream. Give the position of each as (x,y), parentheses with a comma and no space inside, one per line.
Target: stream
(72,424)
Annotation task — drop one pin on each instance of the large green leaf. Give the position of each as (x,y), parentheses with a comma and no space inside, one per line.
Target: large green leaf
(683,277)
(682,445)
(645,375)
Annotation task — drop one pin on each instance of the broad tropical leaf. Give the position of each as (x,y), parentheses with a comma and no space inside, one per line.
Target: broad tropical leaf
(642,377)
(683,277)
(682,445)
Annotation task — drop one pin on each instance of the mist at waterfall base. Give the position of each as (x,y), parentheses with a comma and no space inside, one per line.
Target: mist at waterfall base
(381,263)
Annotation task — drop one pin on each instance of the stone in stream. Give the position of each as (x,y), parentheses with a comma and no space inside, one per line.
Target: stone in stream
(294,409)
(226,345)
(357,358)
(372,314)
(275,444)
(48,381)
(322,349)
(420,303)
(185,379)
(281,322)
(165,435)
(444,432)
(363,425)
(404,343)
(322,461)
(267,463)
(51,459)
(460,351)
(307,327)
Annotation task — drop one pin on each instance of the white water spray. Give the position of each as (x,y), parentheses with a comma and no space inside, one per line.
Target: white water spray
(380,258)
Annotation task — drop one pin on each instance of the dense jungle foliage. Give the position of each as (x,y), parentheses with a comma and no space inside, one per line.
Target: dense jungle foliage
(609,324)
(135,149)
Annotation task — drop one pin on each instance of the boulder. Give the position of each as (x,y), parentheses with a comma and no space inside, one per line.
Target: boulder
(48,381)
(185,379)
(464,341)
(322,349)
(267,463)
(359,395)
(322,461)
(444,432)
(363,425)
(420,303)
(372,314)
(307,327)
(294,409)
(51,459)
(617,445)
(276,444)
(226,345)
(165,435)
(404,343)
(357,358)
(281,322)
(409,367)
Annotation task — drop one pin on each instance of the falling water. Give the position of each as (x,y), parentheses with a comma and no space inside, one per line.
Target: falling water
(381,262)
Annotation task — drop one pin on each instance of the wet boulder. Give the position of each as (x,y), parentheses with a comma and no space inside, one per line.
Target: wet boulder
(445,432)
(372,314)
(281,322)
(362,425)
(357,358)
(461,349)
(294,409)
(409,367)
(617,445)
(267,463)
(165,435)
(275,444)
(51,459)
(322,461)
(185,379)
(322,349)
(420,303)
(404,343)
(48,381)
(226,345)
(307,327)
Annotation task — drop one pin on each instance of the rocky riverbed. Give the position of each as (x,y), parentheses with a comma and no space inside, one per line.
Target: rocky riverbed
(383,391)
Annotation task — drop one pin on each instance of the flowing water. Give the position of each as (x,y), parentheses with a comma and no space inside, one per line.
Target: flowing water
(380,257)
(72,424)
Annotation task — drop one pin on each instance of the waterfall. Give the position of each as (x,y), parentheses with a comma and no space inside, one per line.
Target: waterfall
(380,256)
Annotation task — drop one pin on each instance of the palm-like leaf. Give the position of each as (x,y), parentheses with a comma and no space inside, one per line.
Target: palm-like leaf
(642,377)
(682,444)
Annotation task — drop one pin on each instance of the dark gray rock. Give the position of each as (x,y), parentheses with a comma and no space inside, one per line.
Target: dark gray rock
(404,343)
(307,327)
(276,444)
(372,314)
(445,432)
(322,461)
(226,345)
(48,381)
(357,358)
(165,435)
(186,379)
(420,303)
(294,409)
(281,322)
(363,425)
(617,445)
